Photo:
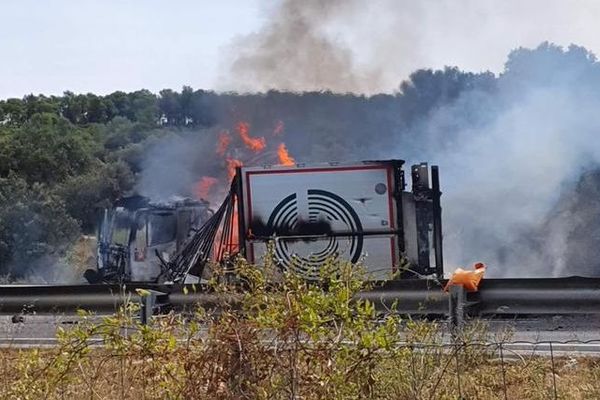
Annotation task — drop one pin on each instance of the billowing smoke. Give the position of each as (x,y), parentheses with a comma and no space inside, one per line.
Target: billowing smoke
(200,163)
(510,154)
(292,52)
(369,46)
(175,163)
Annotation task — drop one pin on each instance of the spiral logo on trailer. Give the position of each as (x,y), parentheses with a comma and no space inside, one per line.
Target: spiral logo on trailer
(305,257)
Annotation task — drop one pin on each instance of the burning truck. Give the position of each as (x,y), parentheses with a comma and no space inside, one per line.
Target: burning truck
(136,235)
(310,213)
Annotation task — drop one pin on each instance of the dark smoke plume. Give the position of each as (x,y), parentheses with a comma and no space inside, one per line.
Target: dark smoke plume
(370,46)
(295,52)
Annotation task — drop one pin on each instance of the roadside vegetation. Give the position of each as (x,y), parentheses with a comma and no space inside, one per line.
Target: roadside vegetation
(285,339)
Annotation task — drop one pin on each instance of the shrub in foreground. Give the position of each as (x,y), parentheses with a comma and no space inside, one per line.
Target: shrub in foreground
(276,336)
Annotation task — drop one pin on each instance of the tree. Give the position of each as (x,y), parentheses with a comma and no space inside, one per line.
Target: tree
(39,105)
(202,109)
(48,149)
(169,107)
(33,224)
(98,110)
(121,105)
(549,64)
(186,104)
(14,111)
(85,194)
(427,89)
(73,107)
(144,107)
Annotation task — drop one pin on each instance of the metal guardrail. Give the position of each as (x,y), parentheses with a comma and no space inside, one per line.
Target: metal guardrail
(574,295)
(496,297)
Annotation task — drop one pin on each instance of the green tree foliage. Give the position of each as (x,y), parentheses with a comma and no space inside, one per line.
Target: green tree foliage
(46,149)
(60,159)
(33,223)
(13,111)
(85,194)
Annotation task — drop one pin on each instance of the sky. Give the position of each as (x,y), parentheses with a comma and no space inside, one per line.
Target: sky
(102,46)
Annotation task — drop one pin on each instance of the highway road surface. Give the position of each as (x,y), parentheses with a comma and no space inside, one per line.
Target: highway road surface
(570,335)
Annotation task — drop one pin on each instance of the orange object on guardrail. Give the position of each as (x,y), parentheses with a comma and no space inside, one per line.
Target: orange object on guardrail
(469,279)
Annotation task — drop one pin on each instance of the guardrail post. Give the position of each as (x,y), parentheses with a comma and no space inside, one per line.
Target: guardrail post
(148,302)
(456,308)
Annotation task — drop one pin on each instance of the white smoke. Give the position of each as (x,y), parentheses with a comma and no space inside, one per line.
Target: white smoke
(370,46)
(503,174)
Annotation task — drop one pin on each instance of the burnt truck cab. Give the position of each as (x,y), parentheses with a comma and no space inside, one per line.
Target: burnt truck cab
(135,234)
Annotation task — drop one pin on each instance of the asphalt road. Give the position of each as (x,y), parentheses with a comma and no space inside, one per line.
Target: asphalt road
(569,334)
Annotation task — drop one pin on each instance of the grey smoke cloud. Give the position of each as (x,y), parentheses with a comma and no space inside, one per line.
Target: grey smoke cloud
(369,46)
(174,164)
(505,171)
(294,52)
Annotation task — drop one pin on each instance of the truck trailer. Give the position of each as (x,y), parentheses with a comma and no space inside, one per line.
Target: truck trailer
(359,212)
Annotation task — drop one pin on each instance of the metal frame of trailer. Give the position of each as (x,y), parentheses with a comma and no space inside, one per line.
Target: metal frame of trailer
(415,224)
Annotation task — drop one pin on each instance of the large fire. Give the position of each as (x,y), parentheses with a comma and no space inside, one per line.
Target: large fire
(257,144)
(243,149)
(284,155)
(235,151)
(223,142)
(204,186)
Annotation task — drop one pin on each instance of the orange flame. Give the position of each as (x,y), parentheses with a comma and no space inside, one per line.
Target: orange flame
(204,186)
(279,127)
(223,142)
(254,144)
(284,156)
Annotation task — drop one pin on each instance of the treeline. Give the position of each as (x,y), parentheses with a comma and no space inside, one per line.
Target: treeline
(185,108)
(200,108)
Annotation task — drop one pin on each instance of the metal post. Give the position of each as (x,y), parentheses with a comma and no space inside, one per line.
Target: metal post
(504,387)
(240,212)
(422,196)
(437,221)
(456,312)
(148,302)
(147,308)
(399,186)
(553,373)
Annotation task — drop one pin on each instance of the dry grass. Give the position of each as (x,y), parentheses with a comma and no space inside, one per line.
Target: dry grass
(289,340)
(82,255)
(198,373)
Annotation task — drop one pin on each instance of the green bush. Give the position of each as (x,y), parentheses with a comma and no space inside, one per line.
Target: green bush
(273,336)
(34,225)
(267,338)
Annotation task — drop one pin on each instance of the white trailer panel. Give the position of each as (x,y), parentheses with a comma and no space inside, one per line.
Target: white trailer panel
(354,203)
